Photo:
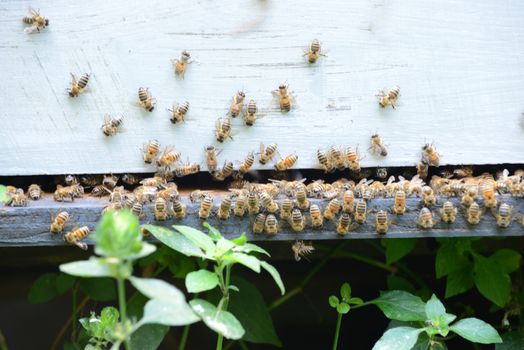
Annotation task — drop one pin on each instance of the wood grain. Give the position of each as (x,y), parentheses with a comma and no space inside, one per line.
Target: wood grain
(28,226)
(459,64)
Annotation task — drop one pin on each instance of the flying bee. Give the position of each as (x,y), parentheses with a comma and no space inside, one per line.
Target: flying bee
(336,158)
(76,235)
(301,198)
(145,99)
(399,203)
(324,161)
(448,212)
(110,181)
(271,225)
(250,114)
(301,250)
(211,158)
(259,223)
(100,191)
(246,165)
(178,112)
(285,209)
(110,126)
(425,219)
(422,168)
(268,202)
(503,217)
(489,195)
(267,153)
(343,224)
(389,97)
(285,97)
(225,172)
(377,145)
(206,205)
(35,192)
(160,209)
(168,158)
(315,215)
(469,196)
(430,154)
(348,199)
(332,209)
(187,169)
(58,222)
(224,209)
(36,20)
(151,151)
(179,210)
(77,86)
(138,210)
(286,163)
(180,64)
(361,211)
(428,197)
(314,52)
(382,222)
(223,129)
(198,195)
(253,205)
(297,221)
(240,205)
(473,213)
(237,104)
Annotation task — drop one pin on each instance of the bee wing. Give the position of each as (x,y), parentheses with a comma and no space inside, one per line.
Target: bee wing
(33,12)
(31,29)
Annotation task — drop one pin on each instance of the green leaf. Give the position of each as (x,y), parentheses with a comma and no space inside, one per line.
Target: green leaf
(460,280)
(99,289)
(395,282)
(400,305)
(249,308)
(449,259)
(199,238)
(240,240)
(343,308)
(397,248)
(356,301)
(222,322)
(249,248)
(168,312)
(276,276)
(64,282)
(157,289)
(213,232)
(511,341)
(3,194)
(476,331)
(424,343)
(233,288)
(118,235)
(200,281)
(43,289)
(148,337)
(333,301)
(147,249)
(345,291)
(434,308)
(175,241)
(491,281)
(94,267)
(244,259)
(507,259)
(223,246)
(399,338)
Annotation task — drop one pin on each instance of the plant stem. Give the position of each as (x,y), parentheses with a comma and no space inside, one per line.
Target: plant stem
(122,306)
(369,261)
(183,340)
(284,298)
(337,331)
(224,302)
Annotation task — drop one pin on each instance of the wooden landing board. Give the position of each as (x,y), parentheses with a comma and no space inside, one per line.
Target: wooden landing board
(458,63)
(29,226)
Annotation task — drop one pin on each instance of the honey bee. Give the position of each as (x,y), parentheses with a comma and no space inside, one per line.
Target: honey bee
(337,158)
(503,217)
(178,112)
(284,96)
(237,104)
(250,114)
(389,97)
(225,172)
(489,195)
(117,195)
(463,172)
(343,224)
(36,20)
(211,158)
(428,197)
(89,180)
(100,191)
(224,209)
(259,223)
(187,169)
(314,52)
(271,225)
(332,209)
(112,207)
(58,222)
(448,212)
(240,205)
(399,204)
(145,99)
(285,209)
(138,210)
(425,219)
(324,161)
(110,126)
(317,220)
(206,205)
(253,205)
(180,64)
(382,222)
(179,210)
(168,158)
(430,154)
(144,194)
(62,193)
(18,199)
(246,165)
(353,159)
(267,153)
(286,163)
(198,195)
(169,194)
(473,213)
(360,211)
(155,181)
(35,192)
(223,129)
(301,250)
(422,169)
(469,196)
(382,173)
(76,235)
(77,86)
(348,199)
(151,151)
(268,202)
(377,145)
(301,198)
(160,209)
(297,221)
(110,181)
(130,179)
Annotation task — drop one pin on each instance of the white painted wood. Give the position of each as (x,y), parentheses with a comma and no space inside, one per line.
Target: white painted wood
(460,65)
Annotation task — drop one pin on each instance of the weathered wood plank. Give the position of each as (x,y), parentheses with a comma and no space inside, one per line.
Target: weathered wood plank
(459,64)
(27,226)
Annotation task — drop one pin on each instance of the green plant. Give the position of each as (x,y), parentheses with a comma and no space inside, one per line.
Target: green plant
(4,197)
(342,306)
(223,255)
